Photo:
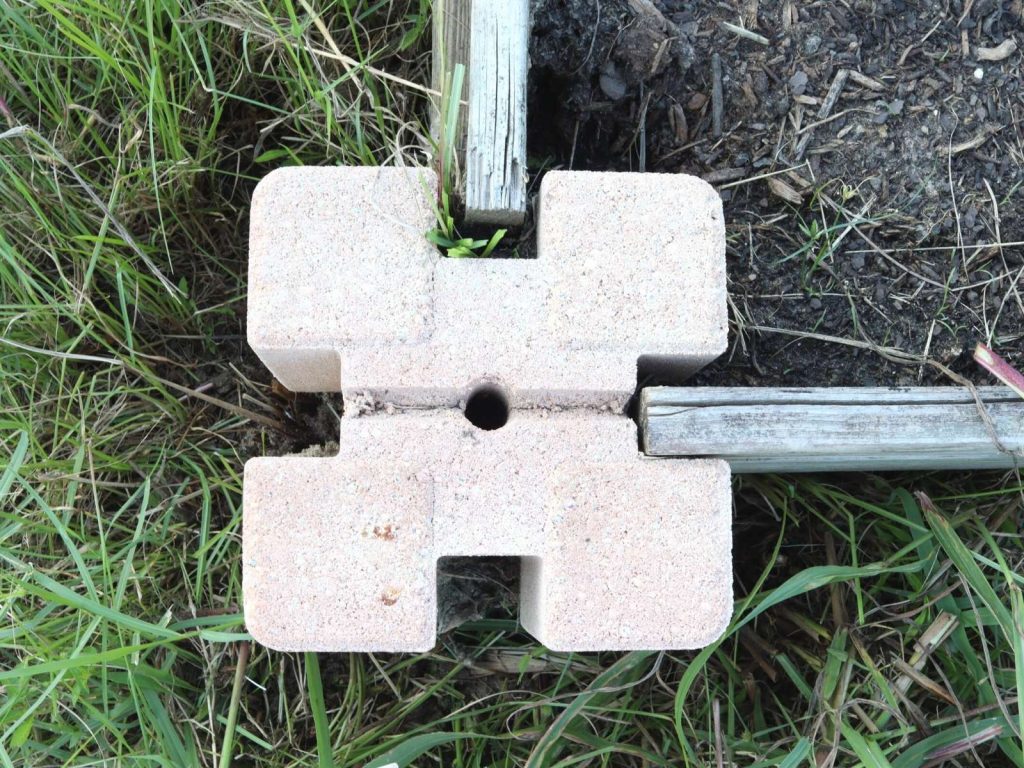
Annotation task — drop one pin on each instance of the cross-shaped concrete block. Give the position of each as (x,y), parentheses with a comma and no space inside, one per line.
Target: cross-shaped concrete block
(618,551)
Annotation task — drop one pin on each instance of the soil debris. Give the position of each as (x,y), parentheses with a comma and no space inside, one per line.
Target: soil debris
(906,230)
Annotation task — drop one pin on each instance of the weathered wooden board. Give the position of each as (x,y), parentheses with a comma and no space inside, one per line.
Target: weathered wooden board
(450,41)
(842,429)
(496,131)
(490,38)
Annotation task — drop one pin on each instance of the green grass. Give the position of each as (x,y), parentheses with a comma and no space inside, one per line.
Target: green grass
(131,136)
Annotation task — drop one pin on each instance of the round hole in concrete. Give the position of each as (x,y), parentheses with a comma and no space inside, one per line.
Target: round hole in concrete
(487,408)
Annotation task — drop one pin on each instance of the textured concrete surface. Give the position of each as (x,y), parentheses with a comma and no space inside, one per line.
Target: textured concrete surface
(619,551)
(346,294)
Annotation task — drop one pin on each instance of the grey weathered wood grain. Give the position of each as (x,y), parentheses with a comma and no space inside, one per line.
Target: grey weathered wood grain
(842,429)
(450,41)
(496,131)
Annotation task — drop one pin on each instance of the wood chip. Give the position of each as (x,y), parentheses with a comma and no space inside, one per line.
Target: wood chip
(677,122)
(749,95)
(973,143)
(724,174)
(717,108)
(779,188)
(746,33)
(659,56)
(1002,51)
(789,17)
(864,80)
(650,10)
(802,184)
(835,90)
(750,13)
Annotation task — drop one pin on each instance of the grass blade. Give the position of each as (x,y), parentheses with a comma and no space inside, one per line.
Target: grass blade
(614,676)
(868,751)
(412,748)
(950,742)
(316,704)
(227,747)
(799,753)
(1017,604)
(14,464)
(963,559)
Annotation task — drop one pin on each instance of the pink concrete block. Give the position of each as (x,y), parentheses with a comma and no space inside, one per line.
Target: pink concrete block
(619,551)
(346,294)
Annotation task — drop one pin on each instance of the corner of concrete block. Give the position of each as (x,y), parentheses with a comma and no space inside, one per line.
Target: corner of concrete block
(299,369)
(716,629)
(262,633)
(720,495)
(266,187)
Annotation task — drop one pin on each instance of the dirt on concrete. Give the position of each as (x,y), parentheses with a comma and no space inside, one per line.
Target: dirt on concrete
(886,213)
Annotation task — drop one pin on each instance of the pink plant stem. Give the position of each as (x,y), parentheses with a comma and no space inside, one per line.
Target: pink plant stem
(999,368)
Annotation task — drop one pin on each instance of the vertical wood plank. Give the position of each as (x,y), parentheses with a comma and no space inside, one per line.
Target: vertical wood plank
(450,41)
(496,131)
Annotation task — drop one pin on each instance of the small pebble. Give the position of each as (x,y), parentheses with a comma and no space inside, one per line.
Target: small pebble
(857,261)
(812,44)
(816,303)
(979,73)
(798,83)
(611,82)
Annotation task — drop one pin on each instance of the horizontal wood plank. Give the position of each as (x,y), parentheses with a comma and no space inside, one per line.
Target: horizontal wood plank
(841,429)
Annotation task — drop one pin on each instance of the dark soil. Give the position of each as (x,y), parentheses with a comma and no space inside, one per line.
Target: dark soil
(627,85)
